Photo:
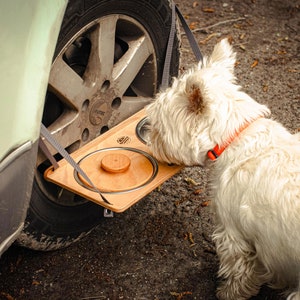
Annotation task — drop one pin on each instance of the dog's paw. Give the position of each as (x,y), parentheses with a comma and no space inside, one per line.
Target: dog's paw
(232,291)
(225,292)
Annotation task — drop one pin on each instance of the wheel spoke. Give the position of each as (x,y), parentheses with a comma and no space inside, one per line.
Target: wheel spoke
(66,83)
(69,121)
(102,53)
(130,63)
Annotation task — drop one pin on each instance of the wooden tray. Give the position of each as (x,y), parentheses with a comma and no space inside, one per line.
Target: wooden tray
(119,165)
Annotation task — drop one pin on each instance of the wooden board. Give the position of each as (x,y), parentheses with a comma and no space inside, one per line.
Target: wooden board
(131,187)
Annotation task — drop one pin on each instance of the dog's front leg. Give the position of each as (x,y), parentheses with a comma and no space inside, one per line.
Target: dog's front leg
(240,270)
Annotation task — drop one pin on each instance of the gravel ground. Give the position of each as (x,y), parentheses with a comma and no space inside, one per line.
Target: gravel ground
(161,248)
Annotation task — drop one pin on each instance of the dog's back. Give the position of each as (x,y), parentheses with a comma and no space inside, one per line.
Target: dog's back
(259,178)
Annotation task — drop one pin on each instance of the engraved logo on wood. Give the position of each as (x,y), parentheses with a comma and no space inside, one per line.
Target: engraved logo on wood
(124,140)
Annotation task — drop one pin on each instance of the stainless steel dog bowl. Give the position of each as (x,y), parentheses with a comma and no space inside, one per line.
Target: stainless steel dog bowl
(141,130)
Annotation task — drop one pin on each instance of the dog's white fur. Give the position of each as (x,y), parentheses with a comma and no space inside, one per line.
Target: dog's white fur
(255,181)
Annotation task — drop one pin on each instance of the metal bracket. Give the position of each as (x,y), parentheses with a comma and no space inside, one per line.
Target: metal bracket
(108,213)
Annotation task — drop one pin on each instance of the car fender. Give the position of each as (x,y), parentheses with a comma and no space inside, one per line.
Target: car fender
(29,31)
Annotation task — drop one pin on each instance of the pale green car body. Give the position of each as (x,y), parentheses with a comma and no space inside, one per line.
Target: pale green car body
(29,30)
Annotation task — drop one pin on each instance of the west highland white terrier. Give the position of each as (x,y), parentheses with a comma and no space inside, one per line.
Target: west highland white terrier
(255,173)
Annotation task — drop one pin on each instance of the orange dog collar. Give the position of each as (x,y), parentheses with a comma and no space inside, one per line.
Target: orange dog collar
(214,153)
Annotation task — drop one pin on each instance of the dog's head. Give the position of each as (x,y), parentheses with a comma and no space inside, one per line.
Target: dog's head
(202,108)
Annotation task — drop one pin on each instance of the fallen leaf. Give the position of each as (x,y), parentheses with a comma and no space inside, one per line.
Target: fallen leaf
(195,4)
(238,26)
(35,282)
(283,39)
(22,291)
(243,47)
(179,296)
(178,202)
(193,25)
(7,296)
(198,191)
(242,36)
(203,42)
(205,203)
(281,52)
(191,238)
(254,64)
(265,88)
(237,63)
(208,9)
(191,181)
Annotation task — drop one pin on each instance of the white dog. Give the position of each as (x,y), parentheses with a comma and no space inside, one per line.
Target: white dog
(255,173)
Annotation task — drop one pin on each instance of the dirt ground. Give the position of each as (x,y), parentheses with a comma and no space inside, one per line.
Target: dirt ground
(161,248)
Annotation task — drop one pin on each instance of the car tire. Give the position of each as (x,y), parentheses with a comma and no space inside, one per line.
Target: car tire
(53,221)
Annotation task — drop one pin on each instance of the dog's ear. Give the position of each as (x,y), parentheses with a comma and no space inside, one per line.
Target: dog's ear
(223,55)
(195,98)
